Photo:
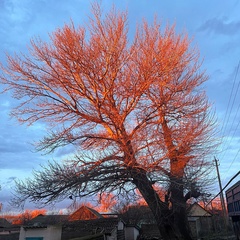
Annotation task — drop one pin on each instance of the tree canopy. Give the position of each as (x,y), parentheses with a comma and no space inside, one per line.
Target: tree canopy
(134,110)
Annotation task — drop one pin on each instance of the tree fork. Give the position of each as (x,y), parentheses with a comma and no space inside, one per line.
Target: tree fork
(159,208)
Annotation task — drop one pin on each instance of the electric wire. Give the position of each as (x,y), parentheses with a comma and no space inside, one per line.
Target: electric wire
(233,160)
(223,128)
(224,187)
(233,134)
(228,114)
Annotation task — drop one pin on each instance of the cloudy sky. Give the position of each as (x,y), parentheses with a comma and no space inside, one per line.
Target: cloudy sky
(214,26)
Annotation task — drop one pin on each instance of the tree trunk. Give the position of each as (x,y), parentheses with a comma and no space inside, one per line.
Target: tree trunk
(178,208)
(170,223)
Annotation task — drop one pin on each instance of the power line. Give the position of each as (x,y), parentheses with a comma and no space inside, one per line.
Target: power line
(235,130)
(225,186)
(233,159)
(228,113)
(229,101)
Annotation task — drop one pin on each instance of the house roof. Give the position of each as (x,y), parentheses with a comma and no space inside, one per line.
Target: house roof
(83,228)
(195,210)
(45,220)
(84,213)
(86,225)
(105,225)
(4,223)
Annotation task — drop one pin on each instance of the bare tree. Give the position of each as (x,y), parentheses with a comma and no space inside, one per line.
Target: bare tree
(134,110)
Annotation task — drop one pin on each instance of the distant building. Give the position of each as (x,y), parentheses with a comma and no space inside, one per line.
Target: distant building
(233,205)
(200,221)
(84,223)
(8,231)
(84,213)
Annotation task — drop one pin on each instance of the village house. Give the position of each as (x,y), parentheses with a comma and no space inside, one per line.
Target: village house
(200,221)
(8,231)
(85,222)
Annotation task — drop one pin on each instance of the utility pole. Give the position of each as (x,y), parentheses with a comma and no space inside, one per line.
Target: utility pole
(221,194)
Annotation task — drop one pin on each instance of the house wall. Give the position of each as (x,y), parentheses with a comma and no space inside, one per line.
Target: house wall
(131,233)
(200,226)
(233,200)
(194,224)
(49,233)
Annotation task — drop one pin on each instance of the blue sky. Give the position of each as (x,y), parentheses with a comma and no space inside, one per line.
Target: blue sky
(213,25)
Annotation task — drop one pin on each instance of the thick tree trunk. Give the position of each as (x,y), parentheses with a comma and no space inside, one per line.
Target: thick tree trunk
(170,223)
(178,208)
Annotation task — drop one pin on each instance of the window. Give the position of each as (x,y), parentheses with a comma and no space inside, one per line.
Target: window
(230,207)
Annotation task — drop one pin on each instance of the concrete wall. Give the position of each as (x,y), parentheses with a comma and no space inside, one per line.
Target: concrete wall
(48,233)
(131,233)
